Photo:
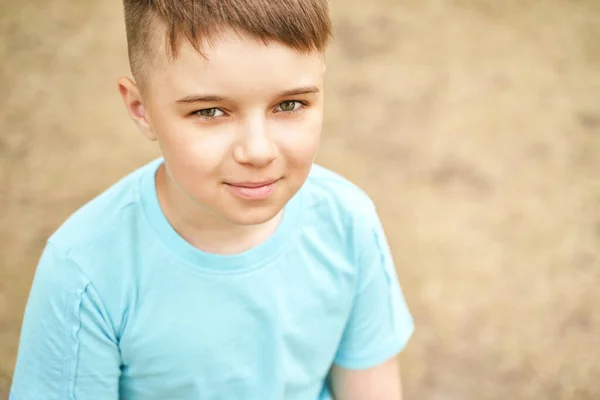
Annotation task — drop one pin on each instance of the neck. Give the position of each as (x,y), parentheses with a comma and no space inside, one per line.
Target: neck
(203,229)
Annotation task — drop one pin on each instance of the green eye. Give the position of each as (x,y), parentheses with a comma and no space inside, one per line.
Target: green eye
(288,106)
(209,112)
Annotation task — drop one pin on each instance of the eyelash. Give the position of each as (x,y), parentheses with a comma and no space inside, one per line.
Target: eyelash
(303,105)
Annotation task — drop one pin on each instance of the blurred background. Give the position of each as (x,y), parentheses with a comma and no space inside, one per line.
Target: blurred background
(473,124)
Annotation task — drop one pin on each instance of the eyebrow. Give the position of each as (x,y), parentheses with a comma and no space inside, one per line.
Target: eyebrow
(212,98)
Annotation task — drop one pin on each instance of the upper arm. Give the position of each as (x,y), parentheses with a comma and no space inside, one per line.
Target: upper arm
(379,325)
(381,382)
(67,348)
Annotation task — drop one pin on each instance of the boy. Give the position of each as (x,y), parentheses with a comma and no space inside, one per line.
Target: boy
(232,267)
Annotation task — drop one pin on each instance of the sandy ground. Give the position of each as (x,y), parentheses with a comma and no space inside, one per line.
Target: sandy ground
(474,125)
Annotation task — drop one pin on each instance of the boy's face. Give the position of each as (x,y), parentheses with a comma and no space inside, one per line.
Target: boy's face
(238,127)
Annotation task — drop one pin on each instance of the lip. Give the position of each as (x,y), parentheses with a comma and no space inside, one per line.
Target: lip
(253,185)
(253,190)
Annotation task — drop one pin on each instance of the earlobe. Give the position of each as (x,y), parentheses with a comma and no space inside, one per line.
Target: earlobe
(135,107)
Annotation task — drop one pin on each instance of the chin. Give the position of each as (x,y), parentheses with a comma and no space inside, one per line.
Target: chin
(255,216)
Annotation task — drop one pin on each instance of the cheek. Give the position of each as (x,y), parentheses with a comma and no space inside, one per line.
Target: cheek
(299,144)
(187,138)
(191,153)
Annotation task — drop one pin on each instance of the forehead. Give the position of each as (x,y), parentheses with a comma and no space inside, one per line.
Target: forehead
(236,64)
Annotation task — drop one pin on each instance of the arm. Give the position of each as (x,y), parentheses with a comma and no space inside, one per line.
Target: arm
(67,348)
(381,382)
(380,324)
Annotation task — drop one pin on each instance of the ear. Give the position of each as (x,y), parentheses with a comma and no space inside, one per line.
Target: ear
(135,107)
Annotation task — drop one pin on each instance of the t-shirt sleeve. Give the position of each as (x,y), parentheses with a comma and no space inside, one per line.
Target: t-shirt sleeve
(67,348)
(380,323)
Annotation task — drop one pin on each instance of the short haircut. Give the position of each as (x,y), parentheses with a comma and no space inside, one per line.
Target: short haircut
(303,25)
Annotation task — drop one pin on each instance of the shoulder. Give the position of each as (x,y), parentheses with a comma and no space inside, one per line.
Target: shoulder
(102,217)
(337,212)
(102,236)
(328,191)
(96,246)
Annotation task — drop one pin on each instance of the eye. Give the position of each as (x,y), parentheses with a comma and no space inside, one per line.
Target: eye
(289,106)
(209,113)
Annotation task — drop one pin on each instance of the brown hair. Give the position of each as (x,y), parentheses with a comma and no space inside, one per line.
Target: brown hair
(303,25)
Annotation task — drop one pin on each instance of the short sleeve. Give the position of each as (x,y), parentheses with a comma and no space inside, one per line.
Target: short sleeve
(380,323)
(67,348)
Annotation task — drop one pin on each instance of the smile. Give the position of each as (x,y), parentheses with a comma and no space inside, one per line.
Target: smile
(253,190)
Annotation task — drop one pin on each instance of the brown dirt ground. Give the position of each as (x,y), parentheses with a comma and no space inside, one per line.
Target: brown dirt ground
(474,125)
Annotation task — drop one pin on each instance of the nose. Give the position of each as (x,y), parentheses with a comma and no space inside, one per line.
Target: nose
(255,145)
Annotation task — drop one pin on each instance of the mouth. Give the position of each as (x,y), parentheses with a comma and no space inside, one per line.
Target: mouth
(253,190)
(252,185)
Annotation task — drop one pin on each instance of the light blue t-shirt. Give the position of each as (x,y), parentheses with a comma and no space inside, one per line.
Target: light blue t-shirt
(123,308)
